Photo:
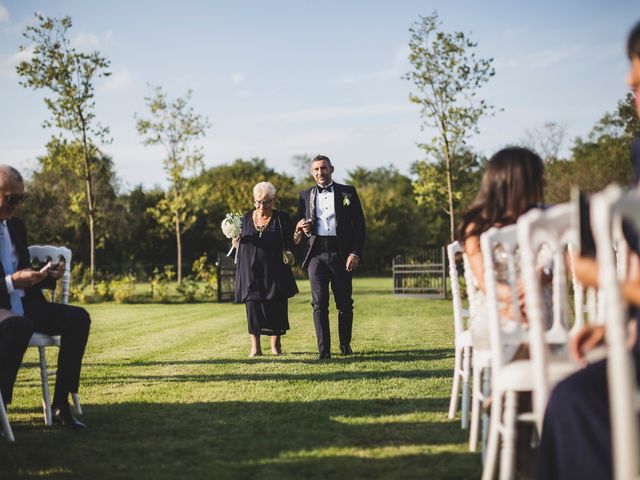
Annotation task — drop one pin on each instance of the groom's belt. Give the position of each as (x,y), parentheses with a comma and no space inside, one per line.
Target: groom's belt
(326,243)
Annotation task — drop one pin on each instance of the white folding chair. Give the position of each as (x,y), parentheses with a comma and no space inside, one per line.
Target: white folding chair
(480,364)
(44,253)
(607,207)
(551,233)
(462,361)
(4,423)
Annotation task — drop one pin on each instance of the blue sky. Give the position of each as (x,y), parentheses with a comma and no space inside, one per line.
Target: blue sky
(281,78)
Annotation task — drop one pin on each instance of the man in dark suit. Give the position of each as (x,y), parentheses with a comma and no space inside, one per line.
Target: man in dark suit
(331,229)
(20,292)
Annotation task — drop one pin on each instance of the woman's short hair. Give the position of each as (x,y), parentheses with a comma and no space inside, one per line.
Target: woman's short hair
(633,42)
(264,188)
(512,183)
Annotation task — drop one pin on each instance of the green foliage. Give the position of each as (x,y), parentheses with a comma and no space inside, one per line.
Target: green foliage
(104,291)
(68,76)
(207,273)
(176,127)
(188,289)
(603,157)
(160,282)
(124,288)
(447,76)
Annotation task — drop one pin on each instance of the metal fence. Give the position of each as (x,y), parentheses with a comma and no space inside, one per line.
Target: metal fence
(226,270)
(422,275)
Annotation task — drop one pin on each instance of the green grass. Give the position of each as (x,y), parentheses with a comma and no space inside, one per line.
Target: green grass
(168,392)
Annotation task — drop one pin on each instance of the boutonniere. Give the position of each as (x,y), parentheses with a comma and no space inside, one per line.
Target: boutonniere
(346,200)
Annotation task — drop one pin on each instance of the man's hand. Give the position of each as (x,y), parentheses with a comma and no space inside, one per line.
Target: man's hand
(587,338)
(27,278)
(352,262)
(586,271)
(57,271)
(304,226)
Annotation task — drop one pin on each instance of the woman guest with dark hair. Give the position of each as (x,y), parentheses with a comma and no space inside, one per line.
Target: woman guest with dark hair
(512,184)
(576,433)
(263,282)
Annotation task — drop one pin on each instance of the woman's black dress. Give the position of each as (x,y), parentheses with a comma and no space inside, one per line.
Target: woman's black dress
(263,282)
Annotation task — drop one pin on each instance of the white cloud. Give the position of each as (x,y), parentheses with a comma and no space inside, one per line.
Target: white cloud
(8,63)
(333,113)
(237,78)
(4,14)
(399,65)
(118,81)
(85,41)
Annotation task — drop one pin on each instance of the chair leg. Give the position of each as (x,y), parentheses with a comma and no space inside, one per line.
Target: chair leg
(466,370)
(44,378)
(486,392)
(508,454)
(455,389)
(494,436)
(476,399)
(4,423)
(76,403)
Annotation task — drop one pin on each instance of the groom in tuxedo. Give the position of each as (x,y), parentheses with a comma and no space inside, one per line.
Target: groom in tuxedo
(331,229)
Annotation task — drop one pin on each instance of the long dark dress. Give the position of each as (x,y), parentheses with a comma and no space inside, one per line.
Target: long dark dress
(263,282)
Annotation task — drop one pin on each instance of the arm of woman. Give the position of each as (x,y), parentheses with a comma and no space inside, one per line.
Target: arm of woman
(287,231)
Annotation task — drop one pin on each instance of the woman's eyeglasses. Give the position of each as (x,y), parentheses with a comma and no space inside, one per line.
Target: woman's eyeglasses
(263,203)
(14,199)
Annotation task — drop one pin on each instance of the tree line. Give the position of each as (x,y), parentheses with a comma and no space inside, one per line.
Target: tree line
(75,197)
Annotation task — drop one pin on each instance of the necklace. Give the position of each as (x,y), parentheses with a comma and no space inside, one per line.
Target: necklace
(260,228)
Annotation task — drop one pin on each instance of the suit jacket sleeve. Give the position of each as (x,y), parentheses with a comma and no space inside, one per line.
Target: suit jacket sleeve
(359,229)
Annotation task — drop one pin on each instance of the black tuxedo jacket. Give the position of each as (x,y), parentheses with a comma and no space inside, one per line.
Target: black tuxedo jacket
(18,234)
(350,227)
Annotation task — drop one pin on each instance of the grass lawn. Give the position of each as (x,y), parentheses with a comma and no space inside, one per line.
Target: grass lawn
(169,392)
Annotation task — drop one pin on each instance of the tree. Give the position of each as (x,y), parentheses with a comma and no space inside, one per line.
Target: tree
(546,140)
(69,76)
(175,126)
(447,76)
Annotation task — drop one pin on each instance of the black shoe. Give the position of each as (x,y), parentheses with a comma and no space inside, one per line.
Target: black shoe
(346,349)
(324,356)
(63,416)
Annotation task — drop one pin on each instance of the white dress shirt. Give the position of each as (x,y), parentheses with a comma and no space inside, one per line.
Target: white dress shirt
(9,258)
(326,213)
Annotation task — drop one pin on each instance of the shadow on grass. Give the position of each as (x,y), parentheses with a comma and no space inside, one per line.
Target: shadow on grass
(239,439)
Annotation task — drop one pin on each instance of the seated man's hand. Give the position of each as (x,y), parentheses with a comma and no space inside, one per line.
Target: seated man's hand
(586,271)
(27,278)
(57,271)
(587,338)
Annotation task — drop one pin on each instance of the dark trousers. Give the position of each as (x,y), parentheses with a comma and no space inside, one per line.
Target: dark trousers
(15,332)
(576,434)
(328,267)
(72,324)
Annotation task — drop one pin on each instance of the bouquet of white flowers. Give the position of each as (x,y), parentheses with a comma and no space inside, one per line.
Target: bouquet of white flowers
(232,227)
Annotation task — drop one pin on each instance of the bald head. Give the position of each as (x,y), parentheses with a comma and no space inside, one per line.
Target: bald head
(9,177)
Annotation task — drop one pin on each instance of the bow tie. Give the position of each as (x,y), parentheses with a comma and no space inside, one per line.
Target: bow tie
(325,189)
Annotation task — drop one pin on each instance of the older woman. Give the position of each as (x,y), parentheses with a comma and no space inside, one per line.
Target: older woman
(263,282)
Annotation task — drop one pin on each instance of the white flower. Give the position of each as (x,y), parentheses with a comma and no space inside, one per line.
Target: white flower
(232,225)
(346,201)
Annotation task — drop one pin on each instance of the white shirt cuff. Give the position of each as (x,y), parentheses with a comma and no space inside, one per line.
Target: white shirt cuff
(9,283)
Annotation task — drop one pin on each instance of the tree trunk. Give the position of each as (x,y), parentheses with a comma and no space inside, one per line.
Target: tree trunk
(90,201)
(447,161)
(179,245)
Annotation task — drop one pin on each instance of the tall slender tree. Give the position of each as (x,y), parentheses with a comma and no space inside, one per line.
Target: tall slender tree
(176,127)
(447,76)
(68,76)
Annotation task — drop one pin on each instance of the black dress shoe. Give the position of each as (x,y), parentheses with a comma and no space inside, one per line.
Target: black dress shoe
(346,349)
(324,356)
(63,416)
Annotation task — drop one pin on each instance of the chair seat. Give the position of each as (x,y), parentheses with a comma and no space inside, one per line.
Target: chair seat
(43,340)
(464,340)
(518,375)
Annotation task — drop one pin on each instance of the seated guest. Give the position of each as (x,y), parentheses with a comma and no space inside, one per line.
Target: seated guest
(21,293)
(263,282)
(576,435)
(15,332)
(511,185)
